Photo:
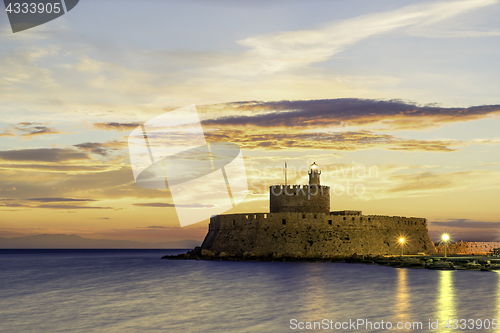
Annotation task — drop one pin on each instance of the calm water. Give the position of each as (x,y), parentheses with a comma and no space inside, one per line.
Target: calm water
(135,291)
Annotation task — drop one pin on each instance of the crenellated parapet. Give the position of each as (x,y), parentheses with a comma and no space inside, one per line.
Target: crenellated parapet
(346,212)
(299,189)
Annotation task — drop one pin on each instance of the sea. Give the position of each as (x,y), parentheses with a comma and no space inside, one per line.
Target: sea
(137,291)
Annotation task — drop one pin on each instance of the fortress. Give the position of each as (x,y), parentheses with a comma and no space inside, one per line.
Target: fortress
(301,225)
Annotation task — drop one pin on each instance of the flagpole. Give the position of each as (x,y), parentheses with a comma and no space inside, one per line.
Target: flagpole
(285,175)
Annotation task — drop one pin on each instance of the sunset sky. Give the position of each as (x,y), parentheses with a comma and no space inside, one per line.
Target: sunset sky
(409,90)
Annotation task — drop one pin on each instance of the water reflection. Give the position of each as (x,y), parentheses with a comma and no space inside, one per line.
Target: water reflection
(498,296)
(317,299)
(402,295)
(446,300)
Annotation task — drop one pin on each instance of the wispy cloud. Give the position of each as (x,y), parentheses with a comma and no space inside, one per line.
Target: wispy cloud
(433,183)
(67,203)
(169,205)
(467,224)
(43,155)
(466,230)
(70,207)
(60,200)
(155,204)
(93,147)
(32,129)
(55,167)
(333,141)
(101,148)
(116,126)
(29,130)
(15,205)
(279,51)
(59,77)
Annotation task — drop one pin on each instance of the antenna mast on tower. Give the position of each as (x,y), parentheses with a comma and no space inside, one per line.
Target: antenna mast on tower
(285,174)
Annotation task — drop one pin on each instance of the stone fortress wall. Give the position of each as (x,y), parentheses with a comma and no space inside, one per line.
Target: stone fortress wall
(310,235)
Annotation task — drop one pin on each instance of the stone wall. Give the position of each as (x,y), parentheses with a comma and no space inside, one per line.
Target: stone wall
(468,247)
(297,198)
(316,234)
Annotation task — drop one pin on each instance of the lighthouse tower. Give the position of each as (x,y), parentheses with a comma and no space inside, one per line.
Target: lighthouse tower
(314,174)
(311,198)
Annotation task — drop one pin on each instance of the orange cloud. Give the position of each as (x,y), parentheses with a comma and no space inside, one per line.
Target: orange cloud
(248,138)
(62,203)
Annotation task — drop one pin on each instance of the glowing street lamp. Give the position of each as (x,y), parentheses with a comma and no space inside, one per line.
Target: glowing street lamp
(402,243)
(445,239)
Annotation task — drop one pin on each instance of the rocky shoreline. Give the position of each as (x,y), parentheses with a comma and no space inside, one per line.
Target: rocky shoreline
(483,263)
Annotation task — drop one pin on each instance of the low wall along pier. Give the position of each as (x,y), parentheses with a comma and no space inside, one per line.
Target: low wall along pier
(460,247)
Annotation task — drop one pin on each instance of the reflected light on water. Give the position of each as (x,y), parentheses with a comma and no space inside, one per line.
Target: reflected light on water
(402,295)
(446,299)
(498,296)
(316,301)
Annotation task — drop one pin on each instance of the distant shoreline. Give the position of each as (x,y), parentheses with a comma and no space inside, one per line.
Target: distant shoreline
(63,241)
(90,249)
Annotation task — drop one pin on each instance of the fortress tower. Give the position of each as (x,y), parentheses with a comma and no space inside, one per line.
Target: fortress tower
(312,198)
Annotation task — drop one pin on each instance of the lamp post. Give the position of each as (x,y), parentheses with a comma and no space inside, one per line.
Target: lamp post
(445,238)
(402,243)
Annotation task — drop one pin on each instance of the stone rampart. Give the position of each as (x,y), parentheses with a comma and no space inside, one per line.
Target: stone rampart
(307,235)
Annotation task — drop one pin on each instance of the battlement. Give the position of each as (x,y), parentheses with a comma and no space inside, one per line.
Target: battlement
(299,189)
(346,212)
(303,220)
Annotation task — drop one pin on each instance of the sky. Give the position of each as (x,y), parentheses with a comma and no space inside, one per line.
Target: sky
(396,101)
